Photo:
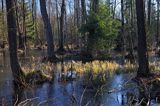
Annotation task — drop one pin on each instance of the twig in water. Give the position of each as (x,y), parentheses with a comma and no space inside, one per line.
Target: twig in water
(88,103)
(82,97)
(140,102)
(16,100)
(27,100)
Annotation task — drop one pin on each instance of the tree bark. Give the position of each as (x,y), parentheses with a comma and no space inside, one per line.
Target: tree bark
(48,28)
(114,8)
(57,17)
(95,4)
(143,69)
(157,33)
(83,5)
(122,38)
(24,39)
(3,23)
(149,12)
(19,29)
(12,40)
(61,48)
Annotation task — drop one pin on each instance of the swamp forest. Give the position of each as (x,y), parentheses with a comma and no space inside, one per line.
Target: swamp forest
(79,53)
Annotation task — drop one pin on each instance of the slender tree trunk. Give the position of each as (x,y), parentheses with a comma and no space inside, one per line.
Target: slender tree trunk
(77,9)
(83,5)
(3,22)
(157,34)
(114,8)
(95,4)
(20,32)
(132,29)
(33,6)
(84,20)
(61,48)
(12,40)
(48,28)
(24,39)
(143,69)
(149,12)
(38,40)
(122,22)
(122,13)
(122,38)
(77,19)
(49,9)
(58,26)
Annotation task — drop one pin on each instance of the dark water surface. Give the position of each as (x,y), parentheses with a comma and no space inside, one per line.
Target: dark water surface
(117,91)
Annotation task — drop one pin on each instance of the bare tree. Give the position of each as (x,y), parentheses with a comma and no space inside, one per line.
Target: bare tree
(48,30)
(12,40)
(62,18)
(157,32)
(83,5)
(143,69)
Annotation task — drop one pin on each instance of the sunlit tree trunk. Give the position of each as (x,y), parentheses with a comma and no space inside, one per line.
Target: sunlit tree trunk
(143,69)
(12,40)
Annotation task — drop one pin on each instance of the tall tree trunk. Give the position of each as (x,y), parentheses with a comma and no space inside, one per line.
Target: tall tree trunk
(157,33)
(12,40)
(132,29)
(61,48)
(77,9)
(48,29)
(143,70)
(49,9)
(149,12)
(122,13)
(122,22)
(20,32)
(77,19)
(37,40)
(58,26)
(122,38)
(95,4)
(3,27)
(24,39)
(84,19)
(114,8)
(83,5)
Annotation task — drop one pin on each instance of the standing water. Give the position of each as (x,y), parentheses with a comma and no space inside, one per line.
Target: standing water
(119,90)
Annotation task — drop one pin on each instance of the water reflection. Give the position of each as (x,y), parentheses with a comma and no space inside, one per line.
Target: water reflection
(119,90)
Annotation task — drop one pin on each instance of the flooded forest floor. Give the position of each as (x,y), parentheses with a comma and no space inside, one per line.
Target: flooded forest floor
(72,82)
